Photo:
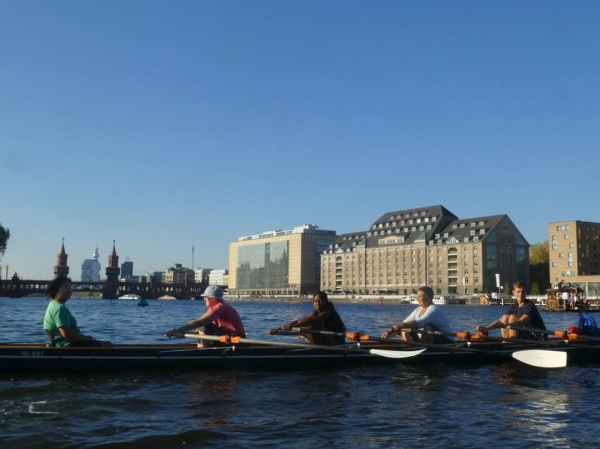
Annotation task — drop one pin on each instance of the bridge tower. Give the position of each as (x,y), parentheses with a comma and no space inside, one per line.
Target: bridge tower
(61,268)
(112,275)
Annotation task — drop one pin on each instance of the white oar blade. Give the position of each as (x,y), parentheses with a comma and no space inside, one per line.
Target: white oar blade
(396,354)
(542,358)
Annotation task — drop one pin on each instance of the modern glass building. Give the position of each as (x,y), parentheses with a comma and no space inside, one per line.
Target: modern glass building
(278,262)
(407,249)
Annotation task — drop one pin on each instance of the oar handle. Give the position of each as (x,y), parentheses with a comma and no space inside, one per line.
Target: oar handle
(467,336)
(562,335)
(354,336)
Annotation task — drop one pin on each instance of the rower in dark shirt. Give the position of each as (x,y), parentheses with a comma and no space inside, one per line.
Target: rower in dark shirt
(324,318)
(523,313)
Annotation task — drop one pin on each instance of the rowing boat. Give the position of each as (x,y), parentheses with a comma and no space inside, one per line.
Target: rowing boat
(274,356)
(269,355)
(30,358)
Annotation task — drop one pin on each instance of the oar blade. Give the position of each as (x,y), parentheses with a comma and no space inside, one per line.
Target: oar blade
(396,354)
(542,358)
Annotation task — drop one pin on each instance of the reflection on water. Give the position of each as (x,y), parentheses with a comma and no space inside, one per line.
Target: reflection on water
(435,406)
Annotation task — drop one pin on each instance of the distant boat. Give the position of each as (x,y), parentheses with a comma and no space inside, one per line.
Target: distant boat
(130,296)
(167,297)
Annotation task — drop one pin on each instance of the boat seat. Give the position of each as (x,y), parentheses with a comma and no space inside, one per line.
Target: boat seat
(50,337)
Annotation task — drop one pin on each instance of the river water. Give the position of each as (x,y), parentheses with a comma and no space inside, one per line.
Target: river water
(439,406)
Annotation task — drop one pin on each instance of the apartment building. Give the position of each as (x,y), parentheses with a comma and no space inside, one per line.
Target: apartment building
(406,249)
(574,254)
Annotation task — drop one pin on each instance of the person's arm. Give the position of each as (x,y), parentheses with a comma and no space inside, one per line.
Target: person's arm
(63,320)
(68,333)
(498,324)
(304,321)
(409,322)
(315,318)
(208,317)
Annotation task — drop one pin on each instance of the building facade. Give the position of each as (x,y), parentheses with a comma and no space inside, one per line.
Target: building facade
(219,277)
(90,268)
(574,254)
(407,249)
(278,262)
(202,274)
(178,274)
(127,270)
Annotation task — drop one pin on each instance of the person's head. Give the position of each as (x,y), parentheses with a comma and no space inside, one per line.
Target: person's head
(213,293)
(59,288)
(519,290)
(425,296)
(320,301)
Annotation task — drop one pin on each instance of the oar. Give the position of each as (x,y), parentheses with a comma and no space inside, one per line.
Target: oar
(541,358)
(468,336)
(561,335)
(354,336)
(533,357)
(228,339)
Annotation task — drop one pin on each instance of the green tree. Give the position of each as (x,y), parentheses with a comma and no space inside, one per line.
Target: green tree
(4,236)
(538,253)
(539,267)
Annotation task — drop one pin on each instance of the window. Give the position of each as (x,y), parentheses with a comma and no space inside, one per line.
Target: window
(566,236)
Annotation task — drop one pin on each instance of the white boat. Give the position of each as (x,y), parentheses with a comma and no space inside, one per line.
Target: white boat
(440,300)
(131,296)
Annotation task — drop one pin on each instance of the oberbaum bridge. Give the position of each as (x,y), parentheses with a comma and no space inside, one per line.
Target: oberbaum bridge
(111,288)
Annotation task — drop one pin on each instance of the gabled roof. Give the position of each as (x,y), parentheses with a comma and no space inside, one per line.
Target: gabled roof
(477,229)
(349,240)
(410,224)
(435,223)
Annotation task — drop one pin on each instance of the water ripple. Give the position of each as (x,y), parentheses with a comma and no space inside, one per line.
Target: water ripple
(436,406)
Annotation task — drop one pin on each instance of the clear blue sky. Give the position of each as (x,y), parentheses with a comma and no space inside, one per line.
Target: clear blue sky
(164,125)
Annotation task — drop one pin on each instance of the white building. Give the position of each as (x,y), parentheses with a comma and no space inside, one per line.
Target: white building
(201,274)
(218,277)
